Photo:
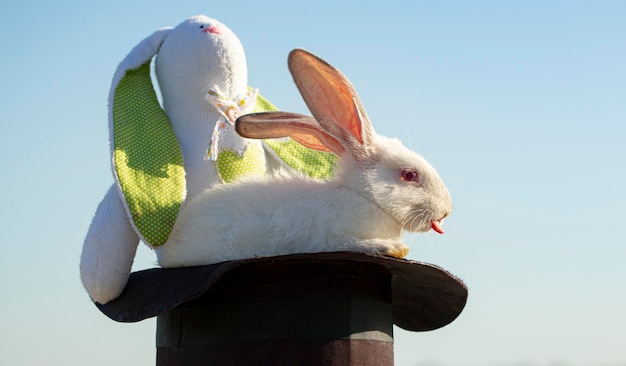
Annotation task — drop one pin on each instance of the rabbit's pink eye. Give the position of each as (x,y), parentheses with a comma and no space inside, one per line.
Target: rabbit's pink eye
(409,175)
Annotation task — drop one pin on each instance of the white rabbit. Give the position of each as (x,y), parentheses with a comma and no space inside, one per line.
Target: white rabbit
(380,188)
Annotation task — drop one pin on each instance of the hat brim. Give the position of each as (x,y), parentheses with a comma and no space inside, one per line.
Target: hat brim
(424,296)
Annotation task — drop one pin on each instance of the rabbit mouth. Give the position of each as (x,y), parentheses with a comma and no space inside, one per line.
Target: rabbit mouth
(436,225)
(422,221)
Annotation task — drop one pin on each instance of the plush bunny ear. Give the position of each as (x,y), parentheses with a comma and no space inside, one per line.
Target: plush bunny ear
(332,100)
(147,160)
(303,129)
(140,54)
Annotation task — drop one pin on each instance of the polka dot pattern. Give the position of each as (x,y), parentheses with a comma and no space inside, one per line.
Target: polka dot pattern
(148,162)
(147,157)
(316,164)
(232,166)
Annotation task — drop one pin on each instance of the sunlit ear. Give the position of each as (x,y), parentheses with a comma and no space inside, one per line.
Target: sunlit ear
(309,141)
(132,95)
(144,147)
(330,96)
(303,129)
(141,53)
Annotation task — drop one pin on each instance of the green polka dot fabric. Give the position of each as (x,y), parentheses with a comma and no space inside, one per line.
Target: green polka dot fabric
(316,164)
(147,157)
(234,156)
(148,162)
(231,166)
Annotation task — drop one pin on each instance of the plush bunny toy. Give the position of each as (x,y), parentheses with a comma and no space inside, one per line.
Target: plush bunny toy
(380,187)
(164,157)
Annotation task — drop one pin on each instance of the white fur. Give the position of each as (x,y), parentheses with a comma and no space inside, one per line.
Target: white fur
(109,250)
(189,63)
(364,208)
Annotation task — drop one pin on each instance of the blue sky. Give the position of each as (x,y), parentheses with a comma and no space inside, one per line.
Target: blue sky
(519,105)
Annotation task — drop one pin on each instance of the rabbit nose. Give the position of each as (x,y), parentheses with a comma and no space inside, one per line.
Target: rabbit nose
(213,29)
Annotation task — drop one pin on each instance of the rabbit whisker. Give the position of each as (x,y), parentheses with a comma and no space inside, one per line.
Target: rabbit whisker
(417,215)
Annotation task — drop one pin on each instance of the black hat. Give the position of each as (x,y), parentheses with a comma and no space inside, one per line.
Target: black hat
(423,296)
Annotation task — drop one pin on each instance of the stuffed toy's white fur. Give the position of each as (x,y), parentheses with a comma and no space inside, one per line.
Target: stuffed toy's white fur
(197,55)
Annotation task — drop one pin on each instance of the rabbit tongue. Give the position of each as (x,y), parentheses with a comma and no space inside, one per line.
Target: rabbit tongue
(436,225)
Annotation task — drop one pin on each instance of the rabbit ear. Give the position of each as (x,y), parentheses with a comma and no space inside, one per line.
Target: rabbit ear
(303,129)
(332,100)
(140,54)
(147,160)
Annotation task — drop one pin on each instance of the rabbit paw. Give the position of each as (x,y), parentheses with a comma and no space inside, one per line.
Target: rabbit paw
(399,250)
(389,248)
